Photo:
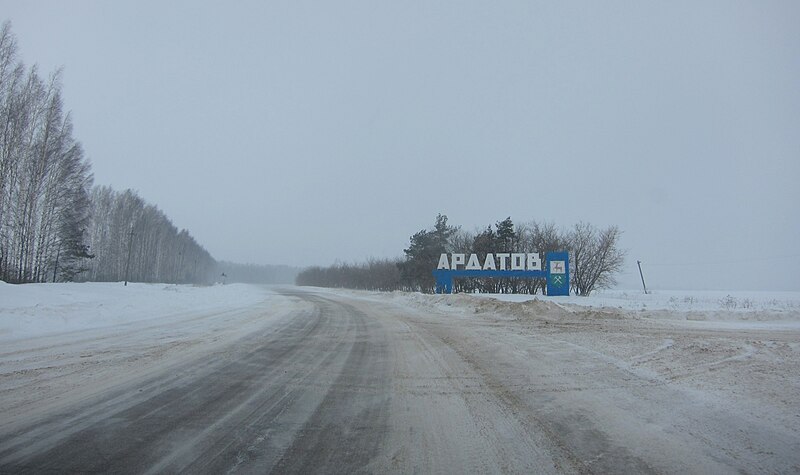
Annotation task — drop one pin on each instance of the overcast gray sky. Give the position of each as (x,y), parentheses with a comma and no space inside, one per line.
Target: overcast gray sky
(305,132)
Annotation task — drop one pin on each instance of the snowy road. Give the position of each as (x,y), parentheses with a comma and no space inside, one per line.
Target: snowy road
(311,381)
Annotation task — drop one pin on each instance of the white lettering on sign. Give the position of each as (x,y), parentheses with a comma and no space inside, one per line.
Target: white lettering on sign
(557,267)
(503,256)
(507,261)
(534,262)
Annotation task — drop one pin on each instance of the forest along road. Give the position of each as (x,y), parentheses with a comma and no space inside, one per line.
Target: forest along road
(315,382)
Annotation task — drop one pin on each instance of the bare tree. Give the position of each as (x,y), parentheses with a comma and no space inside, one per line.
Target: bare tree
(595,257)
(50,221)
(44,177)
(124,224)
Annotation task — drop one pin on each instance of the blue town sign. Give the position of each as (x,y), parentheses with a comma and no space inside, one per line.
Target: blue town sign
(509,264)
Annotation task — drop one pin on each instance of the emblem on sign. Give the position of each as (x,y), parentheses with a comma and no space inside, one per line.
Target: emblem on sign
(557,267)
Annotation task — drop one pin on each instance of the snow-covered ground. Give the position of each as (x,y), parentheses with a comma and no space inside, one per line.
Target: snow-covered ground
(677,300)
(40,309)
(734,354)
(709,309)
(668,377)
(60,343)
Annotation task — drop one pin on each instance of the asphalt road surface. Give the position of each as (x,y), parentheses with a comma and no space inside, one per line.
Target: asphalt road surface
(333,384)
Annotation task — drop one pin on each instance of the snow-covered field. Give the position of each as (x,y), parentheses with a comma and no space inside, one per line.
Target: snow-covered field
(41,309)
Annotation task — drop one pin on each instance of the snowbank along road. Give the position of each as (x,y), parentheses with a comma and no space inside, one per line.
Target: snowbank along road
(313,381)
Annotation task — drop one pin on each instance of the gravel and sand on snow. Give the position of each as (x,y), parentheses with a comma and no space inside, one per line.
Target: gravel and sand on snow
(150,378)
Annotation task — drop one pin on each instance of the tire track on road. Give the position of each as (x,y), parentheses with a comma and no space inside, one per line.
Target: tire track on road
(230,410)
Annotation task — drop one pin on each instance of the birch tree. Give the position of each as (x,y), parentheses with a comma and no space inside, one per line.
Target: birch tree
(44,177)
(128,234)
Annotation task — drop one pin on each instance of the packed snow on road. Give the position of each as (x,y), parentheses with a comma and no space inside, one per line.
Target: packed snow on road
(620,381)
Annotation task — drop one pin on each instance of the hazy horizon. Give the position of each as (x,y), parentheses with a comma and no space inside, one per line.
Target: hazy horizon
(300,133)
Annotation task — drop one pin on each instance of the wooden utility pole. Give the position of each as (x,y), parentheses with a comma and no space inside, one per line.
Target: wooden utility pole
(639,263)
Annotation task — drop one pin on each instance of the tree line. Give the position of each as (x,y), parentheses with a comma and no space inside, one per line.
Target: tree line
(133,240)
(44,177)
(53,225)
(375,274)
(595,258)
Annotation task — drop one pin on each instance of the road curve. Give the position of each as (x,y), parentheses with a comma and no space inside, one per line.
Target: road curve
(342,385)
(309,394)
